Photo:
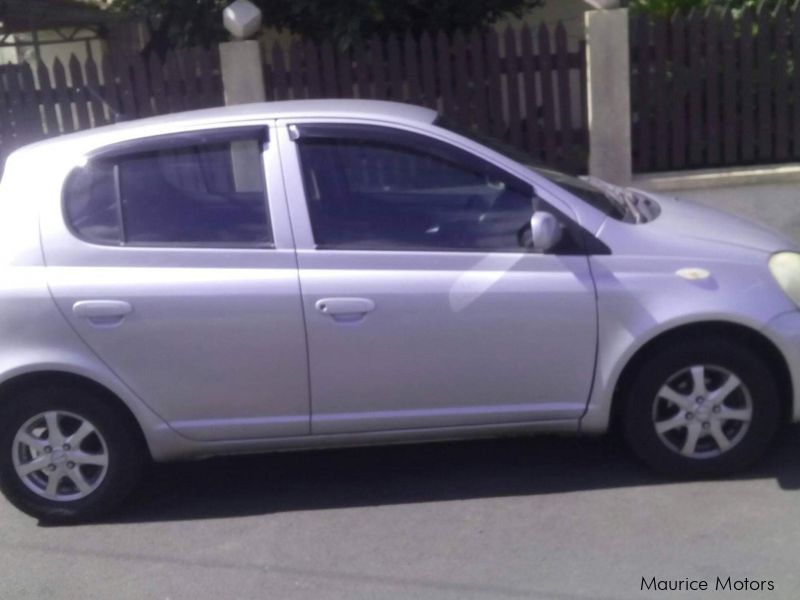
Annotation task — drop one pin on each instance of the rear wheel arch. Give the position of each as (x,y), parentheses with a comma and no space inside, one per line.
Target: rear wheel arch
(734,332)
(32,380)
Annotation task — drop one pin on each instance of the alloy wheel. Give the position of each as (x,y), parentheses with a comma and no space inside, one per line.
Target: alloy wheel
(702,411)
(60,456)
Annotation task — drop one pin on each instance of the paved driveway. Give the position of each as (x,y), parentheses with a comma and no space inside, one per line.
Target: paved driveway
(555,518)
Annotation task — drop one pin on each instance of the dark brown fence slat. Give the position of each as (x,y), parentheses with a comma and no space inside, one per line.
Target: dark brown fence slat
(696,133)
(191,82)
(462,82)
(730,117)
(156,82)
(296,69)
(205,67)
(548,99)
(640,33)
(443,72)
(512,79)
(141,88)
(93,92)
(532,131)
(279,77)
(564,96)
(712,88)
(680,87)
(396,91)
(377,68)
(122,67)
(6,128)
(31,118)
(748,139)
(780,85)
(764,73)
(497,125)
(430,96)
(660,92)
(313,75)
(47,99)
(110,92)
(344,63)
(78,93)
(477,67)
(16,102)
(363,84)
(412,68)
(169,77)
(62,96)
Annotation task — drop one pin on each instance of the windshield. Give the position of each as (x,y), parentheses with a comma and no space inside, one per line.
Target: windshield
(584,190)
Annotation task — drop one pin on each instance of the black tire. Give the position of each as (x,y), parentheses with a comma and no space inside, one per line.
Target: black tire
(759,384)
(123,444)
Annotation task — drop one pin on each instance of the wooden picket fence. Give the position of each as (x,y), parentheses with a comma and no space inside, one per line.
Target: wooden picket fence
(715,89)
(41,101)
(524,86)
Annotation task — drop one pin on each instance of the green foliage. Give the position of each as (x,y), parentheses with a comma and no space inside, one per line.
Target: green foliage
(347,22)
(173,23)
(670,7)
(665,8)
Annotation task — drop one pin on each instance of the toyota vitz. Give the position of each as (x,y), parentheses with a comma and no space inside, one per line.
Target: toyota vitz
(339,272)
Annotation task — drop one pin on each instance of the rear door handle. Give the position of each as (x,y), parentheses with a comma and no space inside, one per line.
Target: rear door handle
(102,312)
(345,306)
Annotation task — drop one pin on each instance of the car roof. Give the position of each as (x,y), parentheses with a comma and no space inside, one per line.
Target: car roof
(323,108)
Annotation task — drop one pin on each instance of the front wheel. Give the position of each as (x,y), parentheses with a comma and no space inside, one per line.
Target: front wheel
(701,408)
(66,454)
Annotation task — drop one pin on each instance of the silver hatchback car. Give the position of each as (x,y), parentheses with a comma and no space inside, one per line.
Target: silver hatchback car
(338,272)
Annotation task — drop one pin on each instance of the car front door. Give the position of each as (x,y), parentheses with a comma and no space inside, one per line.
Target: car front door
(173,260)
(424,307)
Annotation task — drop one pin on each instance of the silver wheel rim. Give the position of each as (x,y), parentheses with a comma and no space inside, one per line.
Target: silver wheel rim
(702,411)
(60,456)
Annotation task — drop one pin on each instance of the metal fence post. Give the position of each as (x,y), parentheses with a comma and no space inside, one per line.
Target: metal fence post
(608,83)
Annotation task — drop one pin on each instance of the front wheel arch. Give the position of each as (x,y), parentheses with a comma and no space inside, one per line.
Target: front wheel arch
(731,331)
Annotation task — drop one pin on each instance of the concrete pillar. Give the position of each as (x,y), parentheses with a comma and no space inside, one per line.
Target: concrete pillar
(608,75)
(242,72)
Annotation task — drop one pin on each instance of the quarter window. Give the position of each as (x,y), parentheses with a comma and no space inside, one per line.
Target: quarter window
(378,188)
(210,193)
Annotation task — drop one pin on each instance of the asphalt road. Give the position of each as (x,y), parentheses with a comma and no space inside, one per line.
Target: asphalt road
(549,517)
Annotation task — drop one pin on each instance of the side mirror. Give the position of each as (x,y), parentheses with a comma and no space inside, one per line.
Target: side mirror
(545,231)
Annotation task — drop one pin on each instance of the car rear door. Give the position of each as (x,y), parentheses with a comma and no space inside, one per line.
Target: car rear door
(422,307)
(172,258)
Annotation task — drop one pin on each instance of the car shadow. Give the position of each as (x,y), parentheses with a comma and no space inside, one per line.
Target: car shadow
(374,476)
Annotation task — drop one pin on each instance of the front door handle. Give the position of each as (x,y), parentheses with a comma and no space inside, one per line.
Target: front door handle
(344,307)
(102,312)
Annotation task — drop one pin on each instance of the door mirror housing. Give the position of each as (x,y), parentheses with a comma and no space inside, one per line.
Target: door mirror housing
(545,231)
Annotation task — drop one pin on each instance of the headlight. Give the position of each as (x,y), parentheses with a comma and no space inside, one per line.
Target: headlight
(785,268)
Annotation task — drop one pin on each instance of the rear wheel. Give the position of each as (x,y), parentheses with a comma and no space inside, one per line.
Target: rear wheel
(702,408)
(66,453)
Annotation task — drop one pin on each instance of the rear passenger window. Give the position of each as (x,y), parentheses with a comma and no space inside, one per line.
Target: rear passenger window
(197,194)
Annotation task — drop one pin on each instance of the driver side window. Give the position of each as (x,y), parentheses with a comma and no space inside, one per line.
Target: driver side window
(385,189)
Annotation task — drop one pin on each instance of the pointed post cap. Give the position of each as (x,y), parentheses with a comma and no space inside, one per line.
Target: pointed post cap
(242,19)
